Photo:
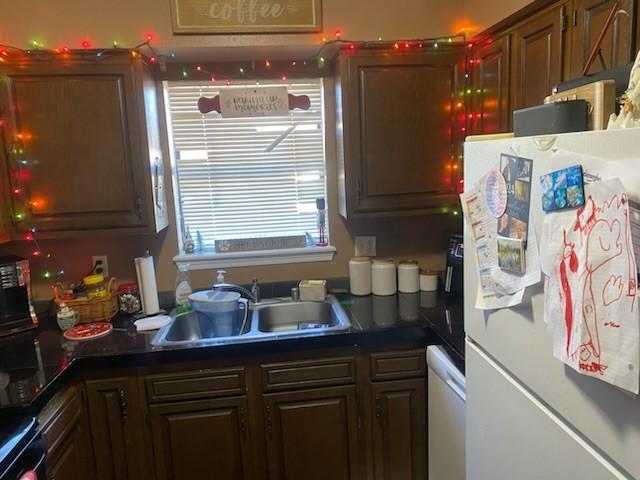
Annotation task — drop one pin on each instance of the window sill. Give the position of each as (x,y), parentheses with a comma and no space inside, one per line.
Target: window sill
(256,258)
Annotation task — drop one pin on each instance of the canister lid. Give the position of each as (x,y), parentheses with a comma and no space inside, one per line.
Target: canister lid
(382,261)
(408,262)
(361,259)
(93,279)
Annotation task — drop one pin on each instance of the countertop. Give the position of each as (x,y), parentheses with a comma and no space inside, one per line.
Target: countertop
(35,365)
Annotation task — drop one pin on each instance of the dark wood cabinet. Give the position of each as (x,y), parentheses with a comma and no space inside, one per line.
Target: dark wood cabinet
(588,19)
(117,429)
(399,429)
(537,59)
(490,109)
(89,134)
(202,439)
(65,433)
(313,434)
(395,113)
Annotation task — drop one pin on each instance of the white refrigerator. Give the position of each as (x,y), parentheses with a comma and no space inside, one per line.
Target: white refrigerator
(528,415)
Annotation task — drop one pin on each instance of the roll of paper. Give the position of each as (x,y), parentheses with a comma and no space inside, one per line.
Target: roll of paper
(147,285)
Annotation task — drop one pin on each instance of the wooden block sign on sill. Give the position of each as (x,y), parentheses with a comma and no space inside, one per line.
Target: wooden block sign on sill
(246,16)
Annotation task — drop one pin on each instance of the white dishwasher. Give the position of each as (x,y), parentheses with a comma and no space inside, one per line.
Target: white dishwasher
(446,416)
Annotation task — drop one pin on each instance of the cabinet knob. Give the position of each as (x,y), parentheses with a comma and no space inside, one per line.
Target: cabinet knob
(123,407)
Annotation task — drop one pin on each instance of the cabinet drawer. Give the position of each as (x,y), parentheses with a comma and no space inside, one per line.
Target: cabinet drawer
(198,384)
(398,364)
(308,373)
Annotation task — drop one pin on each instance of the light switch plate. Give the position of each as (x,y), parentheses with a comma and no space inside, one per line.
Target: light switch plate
(365,246)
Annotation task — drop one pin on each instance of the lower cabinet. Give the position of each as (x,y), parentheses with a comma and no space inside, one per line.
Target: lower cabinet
(313,434)
(65,434)
(201,439)
(399,430)
(117,429)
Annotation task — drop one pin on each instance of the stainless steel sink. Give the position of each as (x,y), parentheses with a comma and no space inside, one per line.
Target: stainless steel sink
(299,317)
(270,319)
(194,327)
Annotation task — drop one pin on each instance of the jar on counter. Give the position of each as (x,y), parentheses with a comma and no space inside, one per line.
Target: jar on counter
(129,298)
(383,277)
(95,286)
(360,276)
(408,276)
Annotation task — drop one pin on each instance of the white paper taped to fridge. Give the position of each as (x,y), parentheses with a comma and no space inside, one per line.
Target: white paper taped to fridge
(591,293)
(498,288)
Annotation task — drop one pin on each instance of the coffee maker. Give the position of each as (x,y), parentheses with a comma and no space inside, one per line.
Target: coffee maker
(16,311)
(453,283)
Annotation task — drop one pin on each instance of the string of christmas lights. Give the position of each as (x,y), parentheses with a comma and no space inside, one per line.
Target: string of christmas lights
(145,51)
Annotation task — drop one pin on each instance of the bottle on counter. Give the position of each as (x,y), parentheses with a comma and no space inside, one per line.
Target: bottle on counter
(183,289)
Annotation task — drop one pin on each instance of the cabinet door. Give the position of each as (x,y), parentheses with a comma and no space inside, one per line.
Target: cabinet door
(537,56)
(399,430)
(116,428)
(312,434)
(201,439)
(71,461)
(589,18)
(490,76)
(83,139)
(396,140)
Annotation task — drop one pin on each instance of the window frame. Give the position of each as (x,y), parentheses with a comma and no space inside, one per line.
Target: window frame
(214,260)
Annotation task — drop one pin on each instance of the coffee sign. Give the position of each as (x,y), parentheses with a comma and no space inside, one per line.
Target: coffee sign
(254,102)
(246,16)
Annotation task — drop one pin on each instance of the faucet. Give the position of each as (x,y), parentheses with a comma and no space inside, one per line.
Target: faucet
(252,296)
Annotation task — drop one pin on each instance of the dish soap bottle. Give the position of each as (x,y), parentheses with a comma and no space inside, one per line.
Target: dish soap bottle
(183,289)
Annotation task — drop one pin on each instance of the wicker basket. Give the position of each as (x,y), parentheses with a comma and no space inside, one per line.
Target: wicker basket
(96,309)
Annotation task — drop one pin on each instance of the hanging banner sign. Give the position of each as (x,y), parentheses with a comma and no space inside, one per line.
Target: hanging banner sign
(254,102)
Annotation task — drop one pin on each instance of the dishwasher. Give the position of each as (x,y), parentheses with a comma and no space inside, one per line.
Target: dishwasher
(446,416)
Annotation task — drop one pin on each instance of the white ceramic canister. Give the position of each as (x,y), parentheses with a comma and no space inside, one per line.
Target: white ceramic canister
(408,276)
(360,276)
(383,276)
(428,281)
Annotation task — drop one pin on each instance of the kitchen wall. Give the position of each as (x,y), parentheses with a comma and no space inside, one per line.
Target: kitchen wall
(421,238)
(481,14)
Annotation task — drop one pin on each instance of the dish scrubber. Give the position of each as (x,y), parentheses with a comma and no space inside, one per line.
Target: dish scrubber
(313,290)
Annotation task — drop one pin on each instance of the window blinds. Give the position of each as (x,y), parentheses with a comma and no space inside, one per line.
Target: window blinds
(247,177)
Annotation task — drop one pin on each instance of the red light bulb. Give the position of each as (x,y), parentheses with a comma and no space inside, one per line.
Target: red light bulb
(28,237)
(37,253)
(149,37)
(352,46)
(16,191)
(338,34)
(284,78)
(85,44)
(153,60)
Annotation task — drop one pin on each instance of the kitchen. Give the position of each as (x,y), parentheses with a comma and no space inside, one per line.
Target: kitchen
(314,402)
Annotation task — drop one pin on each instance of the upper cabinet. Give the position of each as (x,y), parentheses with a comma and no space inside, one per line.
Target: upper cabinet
(588,18)
(395,112)
(537,56)
(87,135)
(490,76)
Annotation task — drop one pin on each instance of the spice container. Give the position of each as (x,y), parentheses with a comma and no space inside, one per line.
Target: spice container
(66,317)
(95,286)
(129,298)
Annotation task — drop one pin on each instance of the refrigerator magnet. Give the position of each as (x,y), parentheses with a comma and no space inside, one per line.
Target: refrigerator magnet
(495,193)
(511,254)
(562,189)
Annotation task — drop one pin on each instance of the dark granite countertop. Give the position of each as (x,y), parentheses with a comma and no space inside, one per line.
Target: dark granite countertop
(35,365)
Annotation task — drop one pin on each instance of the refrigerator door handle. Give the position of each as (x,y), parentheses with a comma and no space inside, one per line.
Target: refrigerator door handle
(456,387)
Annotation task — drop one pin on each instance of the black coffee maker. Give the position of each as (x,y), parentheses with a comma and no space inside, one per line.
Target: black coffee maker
(16,311)
(453,282)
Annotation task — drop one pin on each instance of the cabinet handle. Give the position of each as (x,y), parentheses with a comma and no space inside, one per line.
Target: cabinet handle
(357,186)
(243,423)
(378,407)
(139,205)
(123,407)
(269,421)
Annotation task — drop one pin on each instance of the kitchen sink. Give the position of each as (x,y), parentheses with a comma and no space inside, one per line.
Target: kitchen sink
(270,319)
(299,317)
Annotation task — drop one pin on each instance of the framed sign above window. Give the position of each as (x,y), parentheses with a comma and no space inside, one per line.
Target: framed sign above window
(246,16)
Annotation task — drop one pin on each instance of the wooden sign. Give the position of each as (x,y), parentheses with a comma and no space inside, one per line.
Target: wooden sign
(254,102)
(246,16)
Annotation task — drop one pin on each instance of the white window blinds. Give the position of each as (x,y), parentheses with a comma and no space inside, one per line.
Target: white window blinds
(247,177)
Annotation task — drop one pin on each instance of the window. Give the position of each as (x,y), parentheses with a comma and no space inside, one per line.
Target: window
(247,178)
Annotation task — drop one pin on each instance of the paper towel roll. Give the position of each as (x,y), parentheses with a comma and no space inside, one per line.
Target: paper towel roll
(147,285)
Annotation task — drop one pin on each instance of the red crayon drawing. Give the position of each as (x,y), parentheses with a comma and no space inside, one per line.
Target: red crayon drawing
(596,271)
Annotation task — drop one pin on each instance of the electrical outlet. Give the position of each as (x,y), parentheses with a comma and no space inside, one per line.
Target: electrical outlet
(102,262)
(365,246)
